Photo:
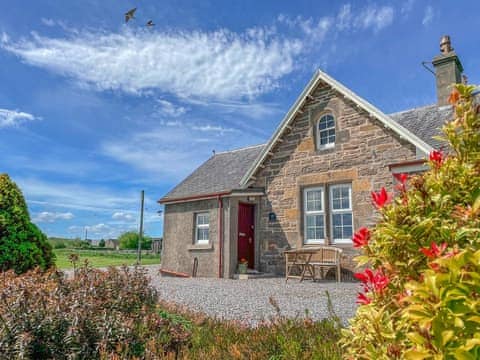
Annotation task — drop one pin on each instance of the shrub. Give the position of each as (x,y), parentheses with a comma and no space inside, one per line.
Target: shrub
(129,240)
(22,245)
(421,298)
(279,338)
(110,314)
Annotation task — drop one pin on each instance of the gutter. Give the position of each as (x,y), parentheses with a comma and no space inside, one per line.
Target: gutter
(220,236)
(194,197)
(407,163)
(174,273)
(235,192)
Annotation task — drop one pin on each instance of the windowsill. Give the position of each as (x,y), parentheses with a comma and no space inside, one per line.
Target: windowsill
(343,243)
(313,243)
(324,150)
(196,247)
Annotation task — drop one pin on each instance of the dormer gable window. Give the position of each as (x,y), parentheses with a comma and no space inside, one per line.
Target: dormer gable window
(325,128)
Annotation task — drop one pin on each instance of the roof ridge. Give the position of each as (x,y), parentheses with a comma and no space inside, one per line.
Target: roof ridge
(240,149)
(413,109)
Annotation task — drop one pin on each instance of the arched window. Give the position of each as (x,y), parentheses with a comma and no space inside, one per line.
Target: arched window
(326,132)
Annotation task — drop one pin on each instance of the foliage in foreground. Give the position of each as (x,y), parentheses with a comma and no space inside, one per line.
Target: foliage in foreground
(422,298)
(279,338)
(97,315)
(115,315)
(22,245)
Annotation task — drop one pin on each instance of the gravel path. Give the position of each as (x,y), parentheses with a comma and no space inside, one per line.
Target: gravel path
(248,300)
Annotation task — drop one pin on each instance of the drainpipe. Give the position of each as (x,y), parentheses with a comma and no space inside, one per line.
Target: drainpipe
(220,236)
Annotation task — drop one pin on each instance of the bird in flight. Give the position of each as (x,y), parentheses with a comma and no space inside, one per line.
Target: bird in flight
(129,14)
(150,23)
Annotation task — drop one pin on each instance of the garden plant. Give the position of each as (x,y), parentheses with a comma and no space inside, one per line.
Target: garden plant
(22,245)
(421,297)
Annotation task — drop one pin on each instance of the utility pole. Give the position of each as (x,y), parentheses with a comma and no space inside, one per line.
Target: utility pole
(140,234)
(86,233)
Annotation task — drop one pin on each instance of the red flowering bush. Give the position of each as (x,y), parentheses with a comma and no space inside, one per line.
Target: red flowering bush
(97,315)
(421,297)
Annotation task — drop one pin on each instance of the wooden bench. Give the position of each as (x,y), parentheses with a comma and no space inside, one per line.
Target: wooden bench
(327,257)
(307,259)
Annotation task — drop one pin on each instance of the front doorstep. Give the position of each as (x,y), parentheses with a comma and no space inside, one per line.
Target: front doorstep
(253,274)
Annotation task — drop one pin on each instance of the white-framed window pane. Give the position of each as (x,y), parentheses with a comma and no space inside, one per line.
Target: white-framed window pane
(326,131)
(202,224)
(341,212)
(202,219)
(202,234)
(341,197)
(314,200)
(314,215)
(315,227)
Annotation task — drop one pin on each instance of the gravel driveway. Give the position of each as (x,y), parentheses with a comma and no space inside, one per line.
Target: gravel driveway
(248,300)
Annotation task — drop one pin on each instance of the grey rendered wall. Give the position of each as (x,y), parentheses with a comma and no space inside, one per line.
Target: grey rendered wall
(179,249)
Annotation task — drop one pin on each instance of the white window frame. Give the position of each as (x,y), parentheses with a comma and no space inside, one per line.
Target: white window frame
(340,211)
(315,212)
(328,145)
(202,226)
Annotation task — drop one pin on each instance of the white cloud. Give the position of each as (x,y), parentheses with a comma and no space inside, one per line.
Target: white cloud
(407,7)
(48,22)
(169,109)
(123,216)
(4,38)
(172,149)
(374,17)
(213,128)
(314,29)
(428,16)
(10,118)
(217,65)
(50,217)
(74,196)
(100,230)
(344,17)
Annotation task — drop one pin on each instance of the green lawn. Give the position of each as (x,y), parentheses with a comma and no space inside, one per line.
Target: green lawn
(102,258)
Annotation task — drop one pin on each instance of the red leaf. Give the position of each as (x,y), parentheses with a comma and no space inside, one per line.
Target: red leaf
(363,299)
(436,156)
(402,178)
(381,198)
(361,237)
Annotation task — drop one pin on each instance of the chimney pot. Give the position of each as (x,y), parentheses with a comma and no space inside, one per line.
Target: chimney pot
(445,44)
(448,70)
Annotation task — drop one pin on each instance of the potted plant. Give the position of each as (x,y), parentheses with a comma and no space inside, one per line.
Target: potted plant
(242,266)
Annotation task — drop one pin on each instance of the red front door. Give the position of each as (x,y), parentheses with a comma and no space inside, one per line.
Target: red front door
(246,231)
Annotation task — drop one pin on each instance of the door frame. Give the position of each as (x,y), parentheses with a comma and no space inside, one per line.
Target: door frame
(254,224)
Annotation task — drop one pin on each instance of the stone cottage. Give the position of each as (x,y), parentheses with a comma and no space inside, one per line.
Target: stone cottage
(309,184)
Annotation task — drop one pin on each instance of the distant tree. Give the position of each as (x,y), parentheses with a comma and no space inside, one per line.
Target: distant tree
(129,240)
(22,245)
(101,243)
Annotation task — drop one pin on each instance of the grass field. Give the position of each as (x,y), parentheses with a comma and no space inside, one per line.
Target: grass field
(102,258)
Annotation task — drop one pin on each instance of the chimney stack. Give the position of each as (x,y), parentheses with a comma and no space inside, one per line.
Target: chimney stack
(448,70)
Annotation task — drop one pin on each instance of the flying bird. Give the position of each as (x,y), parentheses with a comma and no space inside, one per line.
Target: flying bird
(129,14)
(150,23)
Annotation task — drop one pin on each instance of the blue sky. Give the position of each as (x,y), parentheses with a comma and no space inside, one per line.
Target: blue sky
(92,110)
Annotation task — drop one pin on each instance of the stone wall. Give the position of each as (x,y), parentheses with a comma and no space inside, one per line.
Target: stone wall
(362,152)
(179,249)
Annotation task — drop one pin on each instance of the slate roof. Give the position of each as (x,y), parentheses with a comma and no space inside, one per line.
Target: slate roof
(425,122)
(222,172)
